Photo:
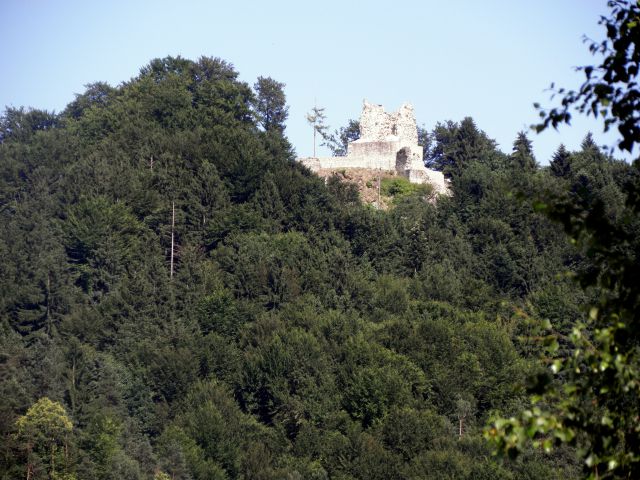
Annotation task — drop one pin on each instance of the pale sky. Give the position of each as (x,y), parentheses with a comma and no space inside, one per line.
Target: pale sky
(489,59)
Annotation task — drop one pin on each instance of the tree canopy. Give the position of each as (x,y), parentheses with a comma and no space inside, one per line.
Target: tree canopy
(302,334)
(588,395)
(610,89)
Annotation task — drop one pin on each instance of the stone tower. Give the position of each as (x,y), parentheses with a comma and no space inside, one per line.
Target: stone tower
(389,142)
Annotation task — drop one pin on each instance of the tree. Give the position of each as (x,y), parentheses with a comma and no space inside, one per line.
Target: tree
(588,143)
(560,164)
(303,335)
(20,124)
(523,153)
(43,429)
(270,104)
(610,90)
(589,397)
(97,94)
(424,140)
(316,118)
(456,145)
(339,140)
(464,409)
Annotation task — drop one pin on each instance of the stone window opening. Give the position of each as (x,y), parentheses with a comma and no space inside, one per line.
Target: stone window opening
(403,160)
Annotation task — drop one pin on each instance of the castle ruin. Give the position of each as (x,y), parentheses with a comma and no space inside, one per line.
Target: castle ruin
(388,142)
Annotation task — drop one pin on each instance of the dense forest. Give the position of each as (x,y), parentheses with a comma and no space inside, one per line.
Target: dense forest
(179,299)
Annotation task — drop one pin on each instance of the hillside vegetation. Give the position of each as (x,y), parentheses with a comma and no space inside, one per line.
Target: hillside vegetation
(294,333)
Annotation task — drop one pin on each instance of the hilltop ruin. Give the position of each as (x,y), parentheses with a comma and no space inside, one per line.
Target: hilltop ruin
(388,142)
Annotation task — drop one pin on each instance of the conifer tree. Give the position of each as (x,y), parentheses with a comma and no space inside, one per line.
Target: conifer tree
(588,143)
(523,152)
(456,145)
(588,397)
(560,164)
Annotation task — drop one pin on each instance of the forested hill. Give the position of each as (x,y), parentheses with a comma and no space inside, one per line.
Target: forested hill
(298,334)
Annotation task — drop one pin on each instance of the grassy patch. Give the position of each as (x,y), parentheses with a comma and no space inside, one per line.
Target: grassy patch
(399,187)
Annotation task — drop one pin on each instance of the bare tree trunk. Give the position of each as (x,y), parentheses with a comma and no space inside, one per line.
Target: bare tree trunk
(461,426)
(53,460)
(173,222)
(72,390)
(29,463)
(66,456)
(315,106)
(48,303)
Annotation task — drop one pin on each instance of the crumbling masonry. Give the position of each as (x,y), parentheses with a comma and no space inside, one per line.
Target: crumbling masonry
(388,142)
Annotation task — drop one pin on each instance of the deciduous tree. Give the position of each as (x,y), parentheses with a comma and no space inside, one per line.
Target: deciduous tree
(270,104)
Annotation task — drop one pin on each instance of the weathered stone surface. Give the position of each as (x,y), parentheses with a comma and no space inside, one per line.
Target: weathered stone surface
(389,142)
(377,125)
(406,125)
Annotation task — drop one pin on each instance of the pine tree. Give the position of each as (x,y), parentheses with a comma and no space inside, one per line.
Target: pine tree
(455,146)
(588,143)
(560,164)
(523,152)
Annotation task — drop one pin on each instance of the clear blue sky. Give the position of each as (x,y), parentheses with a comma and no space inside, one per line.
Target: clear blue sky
(487,59)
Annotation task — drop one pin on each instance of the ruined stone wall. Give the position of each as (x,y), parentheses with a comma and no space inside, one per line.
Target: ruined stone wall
(376,125)
(374,161)
(406,125)
(388,141)
(378,154)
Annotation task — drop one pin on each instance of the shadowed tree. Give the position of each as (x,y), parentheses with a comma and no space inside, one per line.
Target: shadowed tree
(20,124)
(522,153)
(589,397)
(560,165)
(455,146)
(270,104)
(588,143)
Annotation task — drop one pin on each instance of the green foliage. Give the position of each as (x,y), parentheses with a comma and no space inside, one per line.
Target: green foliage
(270,105)
(45,421)
(522,155)
(610,89)
(587,395)
(18,124)
(593,405)
(396,186)
(301,335)
(316,118)
(97,95)
(44,433)
(339,140)
(378,381)
(399,187)
(560,164)
(456,145)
